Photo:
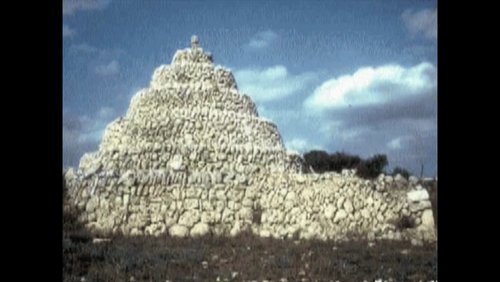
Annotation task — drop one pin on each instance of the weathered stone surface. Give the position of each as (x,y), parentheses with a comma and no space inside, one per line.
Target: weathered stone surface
(330,212)
(418,195)
(428,219)
(418,206)
(178,231)
(189,218)
(348,207)
(340,215)
(200,229)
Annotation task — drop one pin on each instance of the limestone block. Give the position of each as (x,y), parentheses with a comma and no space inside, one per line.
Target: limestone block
(227,216)
(191,204)
(380,217)
(247,202)
(245,213)
(200,229)
(428,219)
(189,218)
(265,233)
(365,213)
(236,229)
(92,204)
(291,196)
(178,231)
(418,206)
(330,211)
(340,215)
(307,194)
(417,195)
(340,202)
(348,207)
(177,163)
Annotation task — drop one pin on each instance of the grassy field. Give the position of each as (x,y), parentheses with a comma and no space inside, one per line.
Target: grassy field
(244,258)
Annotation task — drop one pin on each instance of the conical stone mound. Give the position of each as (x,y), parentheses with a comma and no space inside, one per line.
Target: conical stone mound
(191,157)
(191,119)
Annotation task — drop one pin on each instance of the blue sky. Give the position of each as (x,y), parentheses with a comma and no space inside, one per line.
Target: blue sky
(353,76)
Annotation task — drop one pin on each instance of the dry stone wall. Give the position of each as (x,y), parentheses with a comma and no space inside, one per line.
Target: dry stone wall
(191,156)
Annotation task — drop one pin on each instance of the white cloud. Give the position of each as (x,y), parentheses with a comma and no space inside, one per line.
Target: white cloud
(395,143)
(71,6)
(301,145)
(109,69)
(67,31)
(271,83)
(422,22)
(400,142)
(370,86)
(296,144)
(262,39)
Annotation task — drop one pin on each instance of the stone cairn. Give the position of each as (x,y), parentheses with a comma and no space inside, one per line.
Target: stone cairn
(191,157)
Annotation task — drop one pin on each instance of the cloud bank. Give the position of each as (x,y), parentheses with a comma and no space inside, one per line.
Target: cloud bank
(369,86)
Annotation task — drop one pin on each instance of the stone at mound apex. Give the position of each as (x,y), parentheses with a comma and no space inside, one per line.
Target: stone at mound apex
(191,118)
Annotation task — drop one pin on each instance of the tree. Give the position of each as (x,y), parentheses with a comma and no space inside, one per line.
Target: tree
(318,160)
(372,167)
(341,160)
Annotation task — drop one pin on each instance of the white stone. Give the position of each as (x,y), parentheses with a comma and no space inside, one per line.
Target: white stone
(341,214)
(417,195)
(300,179)
(330,211)
(418,206)
(176,163)
(189,218)
(178,231)
(428,218)
(92,204)
(235,230)
(200,229)
(265,233)
(365,213)
(340,202)
(348,206)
